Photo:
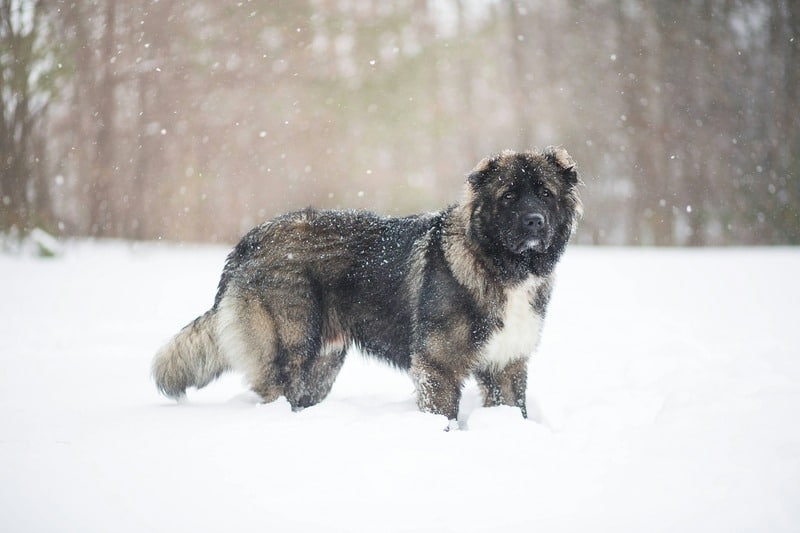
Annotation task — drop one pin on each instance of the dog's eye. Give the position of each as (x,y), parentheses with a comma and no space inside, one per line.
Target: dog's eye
(543,192)
(509,196)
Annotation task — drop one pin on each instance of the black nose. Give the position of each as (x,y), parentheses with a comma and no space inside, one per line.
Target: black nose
(533,221)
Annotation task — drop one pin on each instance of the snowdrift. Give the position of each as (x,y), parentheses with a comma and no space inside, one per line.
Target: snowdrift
(665,397)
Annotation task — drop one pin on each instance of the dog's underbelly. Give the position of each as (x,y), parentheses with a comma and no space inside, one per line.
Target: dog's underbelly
(520,333)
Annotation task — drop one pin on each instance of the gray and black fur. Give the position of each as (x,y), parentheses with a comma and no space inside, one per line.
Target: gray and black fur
(447,295)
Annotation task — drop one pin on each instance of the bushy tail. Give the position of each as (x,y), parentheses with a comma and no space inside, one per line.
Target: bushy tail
(190,359)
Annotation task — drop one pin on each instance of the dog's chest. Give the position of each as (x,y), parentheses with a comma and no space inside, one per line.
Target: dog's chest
(520,331)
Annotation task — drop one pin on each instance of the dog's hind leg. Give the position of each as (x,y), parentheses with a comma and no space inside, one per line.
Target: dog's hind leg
(320,374)
(274,336)
(307,365)
(505,386)
(247,335)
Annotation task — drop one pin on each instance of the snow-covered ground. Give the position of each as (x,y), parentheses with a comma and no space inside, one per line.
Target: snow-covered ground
(665,397)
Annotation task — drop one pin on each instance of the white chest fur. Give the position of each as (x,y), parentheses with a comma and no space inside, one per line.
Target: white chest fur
(521,329)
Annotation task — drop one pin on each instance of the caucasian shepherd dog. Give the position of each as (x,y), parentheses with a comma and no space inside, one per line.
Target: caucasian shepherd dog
(447,295)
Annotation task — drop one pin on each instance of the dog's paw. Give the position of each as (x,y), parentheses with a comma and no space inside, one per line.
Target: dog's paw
(452,425)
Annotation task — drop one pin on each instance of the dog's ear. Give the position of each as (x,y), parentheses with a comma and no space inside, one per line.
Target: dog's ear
(481,171)
(485,168)
(561,159)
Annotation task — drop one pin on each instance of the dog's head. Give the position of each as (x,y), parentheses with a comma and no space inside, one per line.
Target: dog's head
(527,202)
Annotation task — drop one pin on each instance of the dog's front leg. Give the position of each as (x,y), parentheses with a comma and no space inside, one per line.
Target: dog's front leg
(438,389)
(504,386)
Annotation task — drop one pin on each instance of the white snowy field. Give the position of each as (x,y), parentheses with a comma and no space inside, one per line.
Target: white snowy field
(665,397)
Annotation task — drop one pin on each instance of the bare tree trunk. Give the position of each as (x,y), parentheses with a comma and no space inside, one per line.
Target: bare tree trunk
(694,184)
(79,154)
(42,198)
(650,220)
(100,205)
(138,204)
(792,91)
(466,73)
(18,117)
(783,121)
(519,83)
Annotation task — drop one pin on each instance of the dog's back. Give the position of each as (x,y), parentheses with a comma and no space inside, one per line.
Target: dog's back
(295,294)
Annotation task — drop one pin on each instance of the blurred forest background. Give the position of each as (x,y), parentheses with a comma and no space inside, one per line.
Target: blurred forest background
(194,120)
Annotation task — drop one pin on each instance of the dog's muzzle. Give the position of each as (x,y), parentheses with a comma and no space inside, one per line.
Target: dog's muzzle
(533,234)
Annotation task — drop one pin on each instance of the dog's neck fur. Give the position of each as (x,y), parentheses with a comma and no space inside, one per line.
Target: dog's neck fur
(483,275)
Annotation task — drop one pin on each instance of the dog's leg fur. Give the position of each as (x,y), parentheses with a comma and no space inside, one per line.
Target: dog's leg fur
(438,389)
(506,386)
(320,375)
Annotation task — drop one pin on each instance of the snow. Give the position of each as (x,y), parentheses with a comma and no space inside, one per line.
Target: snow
(665,397)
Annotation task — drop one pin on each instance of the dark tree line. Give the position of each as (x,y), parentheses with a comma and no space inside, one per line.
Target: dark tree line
(194,120)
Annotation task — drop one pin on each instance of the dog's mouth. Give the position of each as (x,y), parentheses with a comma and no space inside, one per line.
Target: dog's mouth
(535,244)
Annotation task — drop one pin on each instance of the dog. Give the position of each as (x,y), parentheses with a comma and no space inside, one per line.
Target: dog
(458,293)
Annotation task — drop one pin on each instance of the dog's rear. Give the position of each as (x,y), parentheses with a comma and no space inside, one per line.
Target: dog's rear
(190,359)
